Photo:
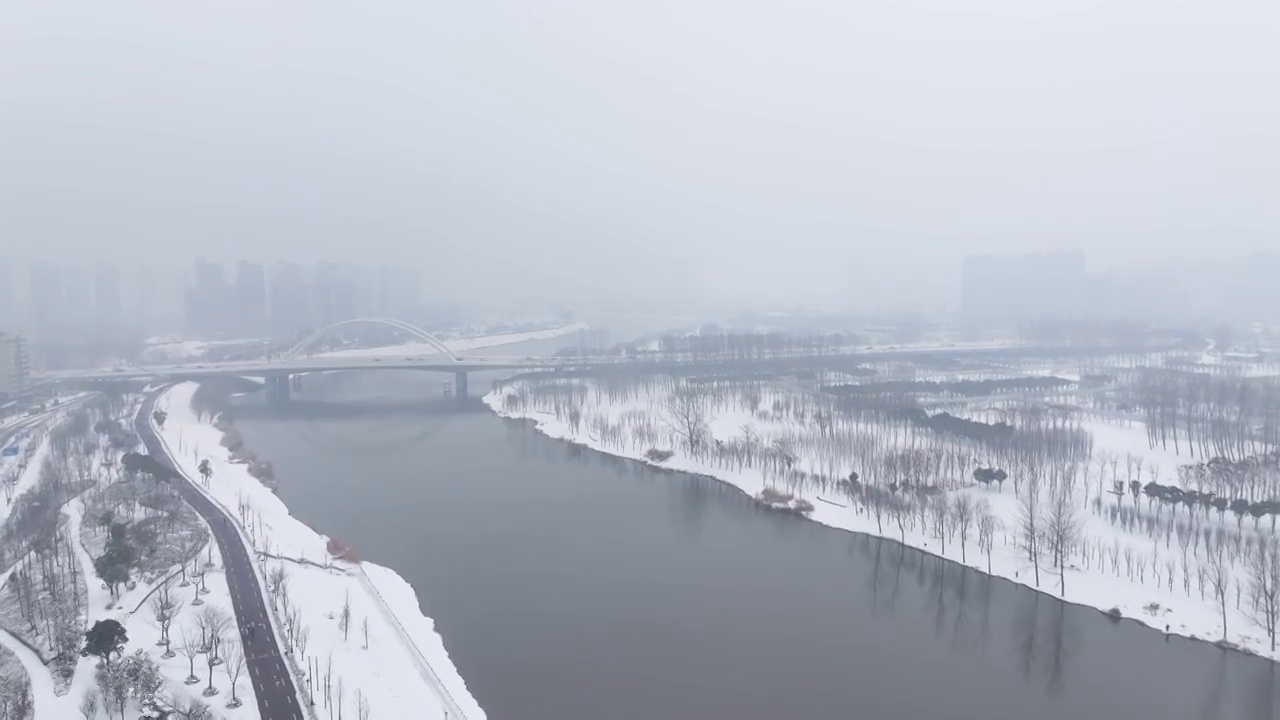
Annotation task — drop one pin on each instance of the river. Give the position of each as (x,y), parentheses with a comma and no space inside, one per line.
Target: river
(571,585)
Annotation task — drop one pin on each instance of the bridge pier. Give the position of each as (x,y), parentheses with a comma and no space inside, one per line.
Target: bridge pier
(278,389)
(460,387)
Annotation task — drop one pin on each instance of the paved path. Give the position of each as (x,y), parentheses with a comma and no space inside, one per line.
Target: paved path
(263,662)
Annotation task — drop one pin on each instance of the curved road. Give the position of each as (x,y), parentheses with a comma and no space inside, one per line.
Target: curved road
(267,671)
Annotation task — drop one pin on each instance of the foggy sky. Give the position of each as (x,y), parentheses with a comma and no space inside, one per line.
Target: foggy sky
(749,152)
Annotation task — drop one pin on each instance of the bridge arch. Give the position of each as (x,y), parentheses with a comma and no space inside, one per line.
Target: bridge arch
(415,331)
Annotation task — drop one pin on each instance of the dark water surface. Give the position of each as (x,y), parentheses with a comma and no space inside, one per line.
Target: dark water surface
(570,585)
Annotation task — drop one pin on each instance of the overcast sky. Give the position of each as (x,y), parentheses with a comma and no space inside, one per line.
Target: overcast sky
(729,150)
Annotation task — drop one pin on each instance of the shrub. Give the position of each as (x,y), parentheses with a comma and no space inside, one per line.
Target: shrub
(342,551)
(770,495)
(657,456)
(262,470)
(231,439)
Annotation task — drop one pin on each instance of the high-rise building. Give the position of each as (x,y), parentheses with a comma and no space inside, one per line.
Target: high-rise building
(8,298)
(107,294)
(47,306)
(15,365)
(334,291)
(208,301)
(399,292)
(1004,289)
(365,280)
(142,295)
(290,310)
(77,296)
(251,299)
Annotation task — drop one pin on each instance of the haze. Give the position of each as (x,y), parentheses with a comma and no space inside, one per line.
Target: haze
(701,152)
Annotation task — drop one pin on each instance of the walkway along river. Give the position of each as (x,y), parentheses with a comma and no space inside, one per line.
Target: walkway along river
(570,584)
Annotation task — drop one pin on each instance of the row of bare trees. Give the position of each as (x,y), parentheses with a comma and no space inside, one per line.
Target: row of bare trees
(1208,416)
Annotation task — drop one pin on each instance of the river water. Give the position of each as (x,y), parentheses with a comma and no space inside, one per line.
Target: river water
(572,585)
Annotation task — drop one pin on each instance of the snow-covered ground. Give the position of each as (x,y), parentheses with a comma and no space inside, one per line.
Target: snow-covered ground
(631,423)
(132,610)
(402,668)
(176,349)
(458,345)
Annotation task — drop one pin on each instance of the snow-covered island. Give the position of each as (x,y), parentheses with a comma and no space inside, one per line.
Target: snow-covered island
(1115,483)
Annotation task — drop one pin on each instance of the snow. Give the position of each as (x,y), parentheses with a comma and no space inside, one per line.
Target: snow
(1185,613)
(458,345)
(144,632)
(46,702)
(176,349)
(405,670)
(34,448)
(131,611)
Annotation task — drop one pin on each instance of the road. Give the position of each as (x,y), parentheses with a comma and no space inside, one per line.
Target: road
(266,668)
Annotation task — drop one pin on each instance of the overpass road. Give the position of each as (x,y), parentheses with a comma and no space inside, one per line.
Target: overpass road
(437,356)
(284,366)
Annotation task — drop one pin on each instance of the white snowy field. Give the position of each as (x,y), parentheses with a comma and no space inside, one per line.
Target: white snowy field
(402,669)
(1169,586)
(457,345)
(176,349)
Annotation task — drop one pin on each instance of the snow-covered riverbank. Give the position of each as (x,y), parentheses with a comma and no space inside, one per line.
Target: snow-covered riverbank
(459,345)
(387,650)
(1115,567)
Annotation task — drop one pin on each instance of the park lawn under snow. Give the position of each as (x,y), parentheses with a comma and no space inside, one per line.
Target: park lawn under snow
(53,700)
(405,671)
(457,345)
(1184,614)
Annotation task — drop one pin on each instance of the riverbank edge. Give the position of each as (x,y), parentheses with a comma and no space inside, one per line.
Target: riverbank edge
(411,628)
(548,425)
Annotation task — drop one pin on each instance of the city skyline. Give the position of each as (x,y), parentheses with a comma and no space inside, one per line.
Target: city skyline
(249,298)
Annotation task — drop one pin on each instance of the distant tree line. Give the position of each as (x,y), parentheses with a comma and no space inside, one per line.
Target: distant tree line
(1208,416)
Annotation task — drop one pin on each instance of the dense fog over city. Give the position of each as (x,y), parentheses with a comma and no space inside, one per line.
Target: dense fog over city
(552,360)
(676,155)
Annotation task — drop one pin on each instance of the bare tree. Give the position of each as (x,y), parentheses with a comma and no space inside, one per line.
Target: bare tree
(190,708)
(190,648)
(302,636)
(344,620)
(89,704)
(19,699)
(342,696)
(233,654)
(987,524)
(216,620)
(277,576)
(165,607)
(1029,528)
(215,623)
(1062,529)
(940,510)
(1220,580)
(685,415)
(115,685)
(876,501)
(962,520)
(362,706)
(1264,588)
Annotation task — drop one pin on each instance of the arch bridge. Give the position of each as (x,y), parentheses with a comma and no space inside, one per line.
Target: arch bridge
(310,341)
(279,386)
